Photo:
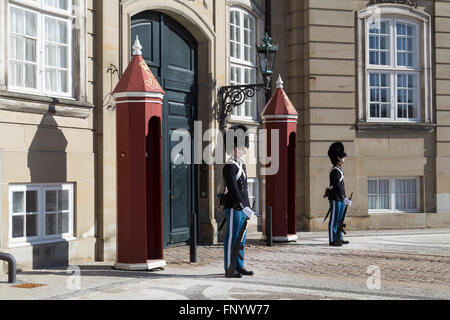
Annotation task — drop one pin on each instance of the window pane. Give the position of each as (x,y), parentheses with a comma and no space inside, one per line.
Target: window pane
(385,111)
(50,29)
(16,73)
(63,84)
(374,80)
(59,4)
(384,202)
(372,186)
(18,201)
(62,57)
(62,32)
(30,50)
(32,225)
(63,223)
(63,4)
(50,79)
(16,23)
(385,95)
(50,224)
(384,58)
(17,51)
(372,202)
(30,76)
(30,24)
(50,55)
(50,200)
(374,110)
(384,186)
(384,42)
(63,199)
(384,27)
(373,42)
(17,226)
(374,57)
(411,186)
(401,59)
(32,205)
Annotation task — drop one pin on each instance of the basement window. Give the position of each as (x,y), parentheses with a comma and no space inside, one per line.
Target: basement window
(40,213)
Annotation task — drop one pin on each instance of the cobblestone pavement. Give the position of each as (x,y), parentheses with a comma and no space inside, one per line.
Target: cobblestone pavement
(413,264)
(325,261)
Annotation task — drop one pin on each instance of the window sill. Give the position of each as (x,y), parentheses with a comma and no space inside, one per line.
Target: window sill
(250,122)
(32,103)
(395,126)
(40,242)
(373,213)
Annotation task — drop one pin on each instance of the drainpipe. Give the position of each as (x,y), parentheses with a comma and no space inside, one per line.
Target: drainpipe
(11,266)
(268,29)
(268,25)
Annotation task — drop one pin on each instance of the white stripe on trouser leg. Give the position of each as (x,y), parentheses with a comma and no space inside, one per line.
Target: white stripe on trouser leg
(230,232)
(333,213)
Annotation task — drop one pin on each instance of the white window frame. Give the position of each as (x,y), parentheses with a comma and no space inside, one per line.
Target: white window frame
(41,238)
(392,195)
(241,64)
(422,21)
(42,11)
(393,70)
(256,197)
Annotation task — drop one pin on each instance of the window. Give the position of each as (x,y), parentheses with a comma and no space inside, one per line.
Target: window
(243,58)
(393,70)
(393,194)
(253,194)
(40,213)
(394,65)
(40,47)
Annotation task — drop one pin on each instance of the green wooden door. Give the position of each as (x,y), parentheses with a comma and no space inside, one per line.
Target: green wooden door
(171,53)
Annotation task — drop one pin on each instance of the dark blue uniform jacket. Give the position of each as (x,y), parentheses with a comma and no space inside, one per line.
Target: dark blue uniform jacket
(237,195)
(337,184)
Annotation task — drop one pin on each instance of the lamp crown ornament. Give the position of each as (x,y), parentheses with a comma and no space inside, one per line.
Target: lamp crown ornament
(137,47)
(280,82)
(412,3)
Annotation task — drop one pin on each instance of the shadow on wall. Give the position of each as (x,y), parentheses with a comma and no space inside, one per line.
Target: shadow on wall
(47,161)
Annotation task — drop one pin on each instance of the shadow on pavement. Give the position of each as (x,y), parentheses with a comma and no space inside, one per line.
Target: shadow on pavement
(109,271)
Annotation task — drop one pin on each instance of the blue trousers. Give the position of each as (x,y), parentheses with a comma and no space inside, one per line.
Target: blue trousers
(336,214)
(235,222)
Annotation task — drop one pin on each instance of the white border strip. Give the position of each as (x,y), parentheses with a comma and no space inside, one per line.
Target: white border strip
(280,116)
(138,101)
(275,121)
(138,94)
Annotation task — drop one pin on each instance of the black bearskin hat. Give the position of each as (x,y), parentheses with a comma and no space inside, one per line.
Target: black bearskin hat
(336,152)
(239,134)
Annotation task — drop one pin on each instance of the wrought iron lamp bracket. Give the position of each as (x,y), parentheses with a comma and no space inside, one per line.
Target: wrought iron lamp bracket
(233,96)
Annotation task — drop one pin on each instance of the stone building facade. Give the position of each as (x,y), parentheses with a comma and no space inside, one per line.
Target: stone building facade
(344,68)
(372,74)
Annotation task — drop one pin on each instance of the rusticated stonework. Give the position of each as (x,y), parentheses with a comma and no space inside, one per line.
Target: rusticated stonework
(412,3)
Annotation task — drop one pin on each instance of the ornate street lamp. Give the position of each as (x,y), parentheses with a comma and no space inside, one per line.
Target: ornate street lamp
(267,53)
(232,96)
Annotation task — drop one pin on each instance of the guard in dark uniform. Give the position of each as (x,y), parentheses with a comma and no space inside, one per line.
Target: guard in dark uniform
(337,197)
(237,204)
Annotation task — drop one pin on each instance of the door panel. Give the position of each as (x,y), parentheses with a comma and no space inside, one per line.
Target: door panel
(172,58)
(147,26)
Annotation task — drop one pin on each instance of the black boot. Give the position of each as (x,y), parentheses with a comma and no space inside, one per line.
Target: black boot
(336,243)
(245,272)
(236,275)
(345,242)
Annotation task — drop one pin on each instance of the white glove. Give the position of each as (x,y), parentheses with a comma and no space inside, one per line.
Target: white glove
(248,212)
(347,202)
